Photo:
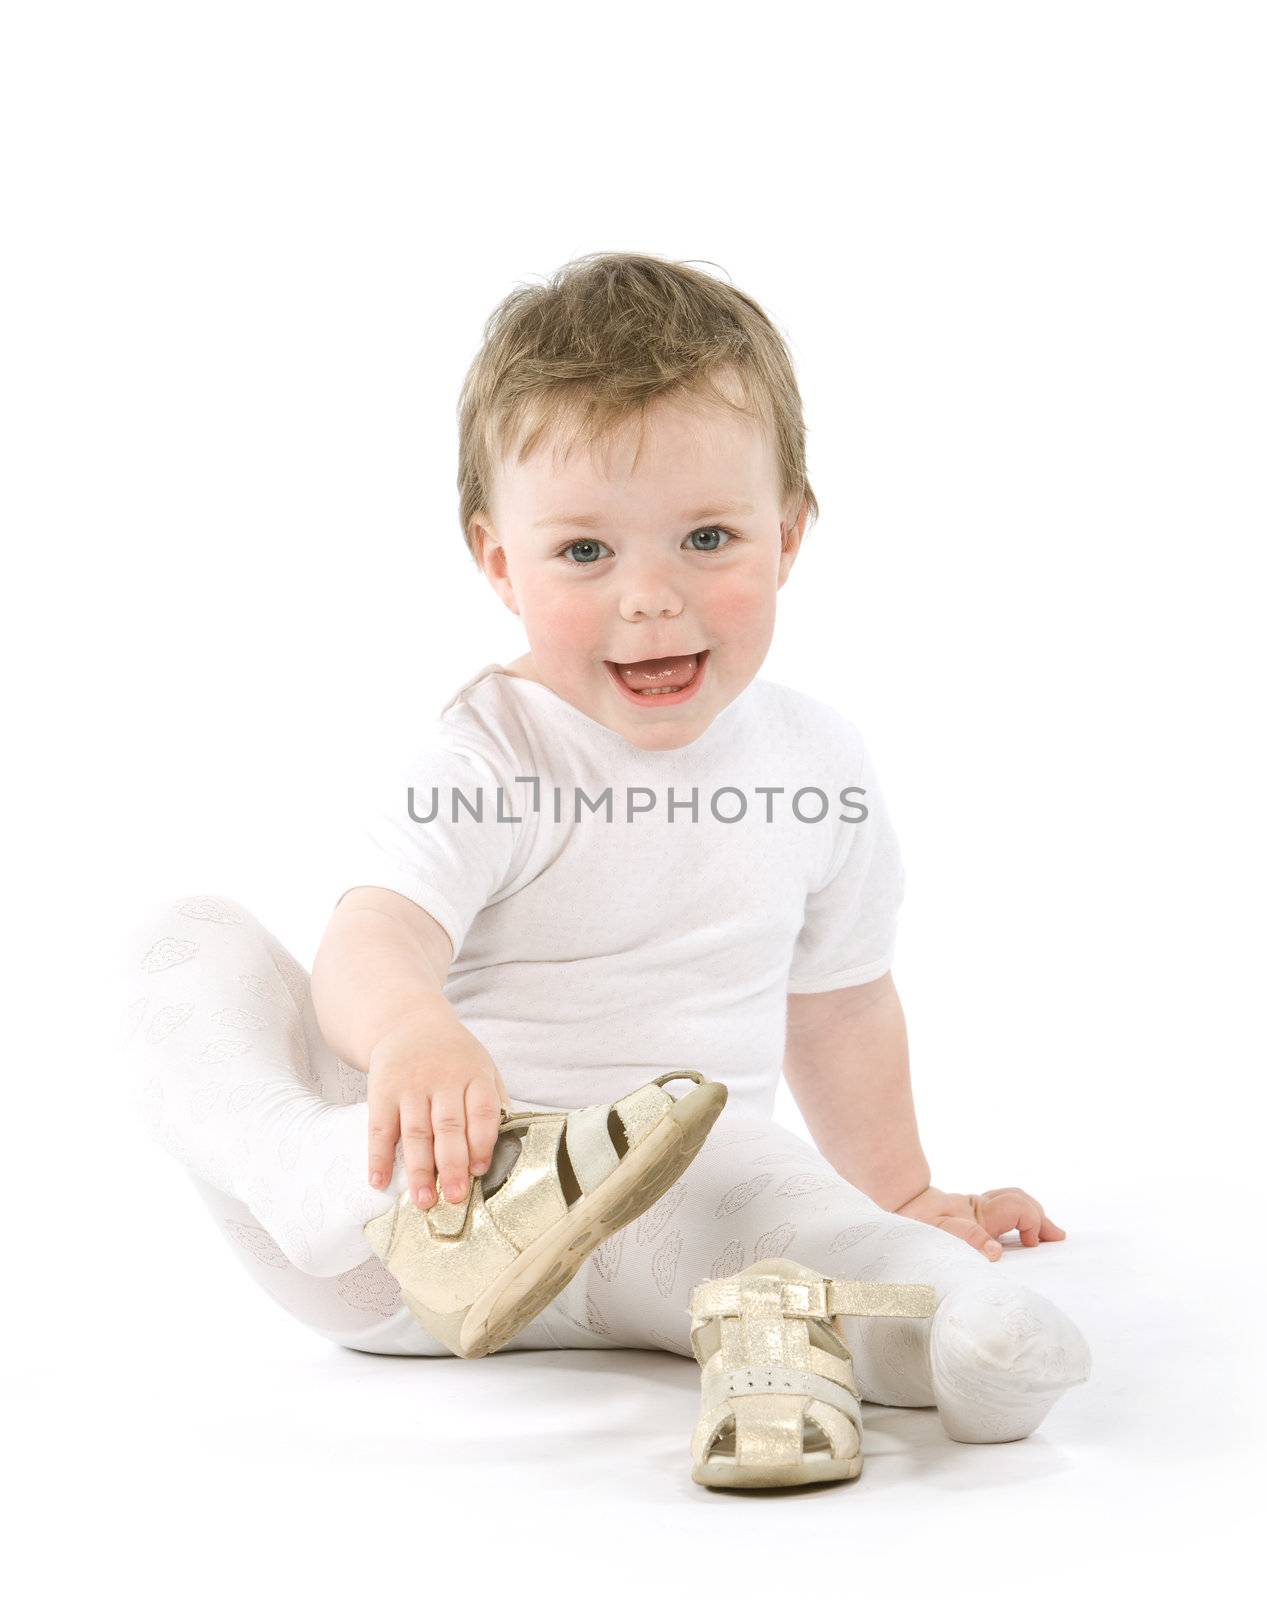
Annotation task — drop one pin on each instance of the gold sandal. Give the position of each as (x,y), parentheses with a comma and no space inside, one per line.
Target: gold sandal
(476,1271)
(779,1404)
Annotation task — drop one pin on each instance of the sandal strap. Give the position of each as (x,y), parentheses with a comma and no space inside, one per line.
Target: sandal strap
(681,1072)
(721,1387)
(531,1196)
(589,1146)
(830,1297)
(588,1142)
(510,1115)
(518,1207)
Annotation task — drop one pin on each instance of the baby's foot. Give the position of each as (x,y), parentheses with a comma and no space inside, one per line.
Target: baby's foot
(1001,1356)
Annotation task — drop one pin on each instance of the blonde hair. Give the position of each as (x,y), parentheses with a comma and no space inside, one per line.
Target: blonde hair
(597,344)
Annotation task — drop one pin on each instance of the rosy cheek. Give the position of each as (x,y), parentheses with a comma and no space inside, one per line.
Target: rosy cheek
(737,599)
(562,614)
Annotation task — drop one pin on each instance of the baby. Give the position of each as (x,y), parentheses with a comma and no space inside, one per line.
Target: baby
(622,853)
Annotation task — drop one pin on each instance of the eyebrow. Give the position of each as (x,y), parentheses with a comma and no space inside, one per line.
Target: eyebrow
(583,519)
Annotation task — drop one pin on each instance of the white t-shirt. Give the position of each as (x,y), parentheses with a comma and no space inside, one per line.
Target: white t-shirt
(602,935)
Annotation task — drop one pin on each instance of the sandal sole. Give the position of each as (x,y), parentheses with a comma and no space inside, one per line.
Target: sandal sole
(729,1475)
(541,1273)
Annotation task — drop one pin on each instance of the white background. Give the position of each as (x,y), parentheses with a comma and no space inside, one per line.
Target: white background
(1018,254)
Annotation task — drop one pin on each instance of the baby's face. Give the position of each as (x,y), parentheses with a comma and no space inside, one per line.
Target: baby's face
(676,565)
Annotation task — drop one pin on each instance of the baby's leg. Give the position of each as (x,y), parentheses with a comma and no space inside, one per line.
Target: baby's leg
(994,1358)
(360,1308)
(231,1075)
(233,1078)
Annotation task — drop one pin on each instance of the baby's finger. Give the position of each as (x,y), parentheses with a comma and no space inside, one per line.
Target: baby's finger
(417,1147)
(974,1234)
(384,1131)
(453,1159)
(1034,1225)
(483,1119)
(1002,1210)
(1028,1219)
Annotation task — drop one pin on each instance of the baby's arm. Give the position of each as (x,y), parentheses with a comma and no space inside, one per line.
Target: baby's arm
(377,990)
(847,1066)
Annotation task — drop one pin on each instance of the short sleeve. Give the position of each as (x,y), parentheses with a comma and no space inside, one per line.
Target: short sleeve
(850,925)
(441,830)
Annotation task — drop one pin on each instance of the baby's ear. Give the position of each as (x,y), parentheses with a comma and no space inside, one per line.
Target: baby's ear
(790,542)
(793,525)
(491,556)
(480,545)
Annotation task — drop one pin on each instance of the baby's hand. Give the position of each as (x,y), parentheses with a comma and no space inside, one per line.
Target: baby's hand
(433,1086)
(982,1218)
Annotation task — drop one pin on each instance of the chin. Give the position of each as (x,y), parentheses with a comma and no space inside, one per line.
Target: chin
(668,736)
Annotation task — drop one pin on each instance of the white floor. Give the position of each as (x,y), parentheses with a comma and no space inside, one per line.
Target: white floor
(192,1438)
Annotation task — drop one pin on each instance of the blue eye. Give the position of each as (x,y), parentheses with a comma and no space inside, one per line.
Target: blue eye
(581,544)
(594,545)
(706,548)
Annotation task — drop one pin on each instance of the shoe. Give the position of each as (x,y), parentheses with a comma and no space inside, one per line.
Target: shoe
(779,1404)
(476,1271)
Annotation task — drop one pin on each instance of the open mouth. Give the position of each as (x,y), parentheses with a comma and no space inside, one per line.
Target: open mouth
(661,681)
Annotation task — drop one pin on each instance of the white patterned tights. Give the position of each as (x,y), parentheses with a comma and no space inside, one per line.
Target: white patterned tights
(232,1077)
